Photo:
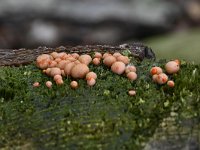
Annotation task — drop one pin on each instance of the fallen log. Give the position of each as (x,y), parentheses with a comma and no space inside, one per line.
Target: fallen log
(23,56)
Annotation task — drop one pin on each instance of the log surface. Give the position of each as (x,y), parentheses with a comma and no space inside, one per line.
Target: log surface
(25,56)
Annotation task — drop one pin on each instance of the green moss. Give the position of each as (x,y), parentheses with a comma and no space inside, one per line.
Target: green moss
(102,117)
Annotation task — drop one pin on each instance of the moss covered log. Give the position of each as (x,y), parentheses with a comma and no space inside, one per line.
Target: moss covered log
(103,116)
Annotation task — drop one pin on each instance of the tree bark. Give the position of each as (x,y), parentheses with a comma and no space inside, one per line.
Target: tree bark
(23,56)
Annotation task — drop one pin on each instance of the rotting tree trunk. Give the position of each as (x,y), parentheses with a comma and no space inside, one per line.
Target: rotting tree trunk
(26,56)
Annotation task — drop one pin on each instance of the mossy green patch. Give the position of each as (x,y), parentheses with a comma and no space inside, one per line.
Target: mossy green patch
(102,117)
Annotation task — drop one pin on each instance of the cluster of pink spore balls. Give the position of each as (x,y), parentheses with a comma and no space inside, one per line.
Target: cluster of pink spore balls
(60,65)
(159,77)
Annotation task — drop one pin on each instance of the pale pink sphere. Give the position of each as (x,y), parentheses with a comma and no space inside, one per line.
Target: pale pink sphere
(178,61)
(36,84)
(91,75)
(43,64)
(91,82)
(123,59)
(62,64)
(59,82)
(56,77)
(156,70)
(49,84)
(62,55)
(172,67)
(47,71)
(79,71)
(52,64)
(75,55)
(105,55)
(97,55)
(130,68)
(74,85)
(96,61)
(132,92)
(68,68)
(85,59)
(42,61)
(54,55)
(132,76)
(116,54)
(171,83)
(109,60)
(54,71)
(43,57)
(162,78)
(154,77)
(58,59)
(118,67)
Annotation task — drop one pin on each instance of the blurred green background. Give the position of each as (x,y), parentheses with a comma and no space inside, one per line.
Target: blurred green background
(178,45)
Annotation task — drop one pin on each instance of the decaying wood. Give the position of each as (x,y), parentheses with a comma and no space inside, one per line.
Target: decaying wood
(23,56)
